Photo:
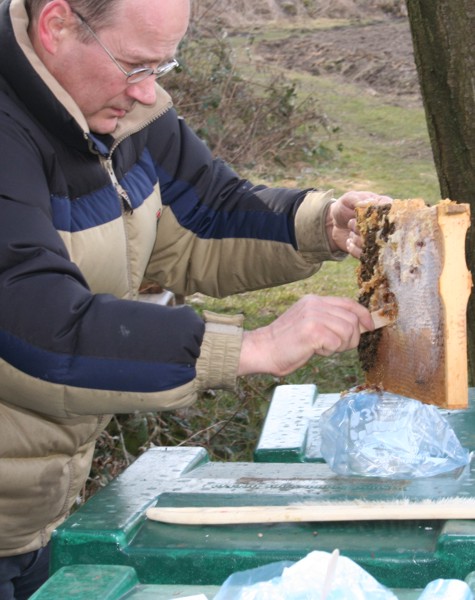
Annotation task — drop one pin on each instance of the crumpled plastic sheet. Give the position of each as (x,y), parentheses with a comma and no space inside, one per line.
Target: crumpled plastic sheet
(318,576)
(380,434)
(325,576)
(446,589)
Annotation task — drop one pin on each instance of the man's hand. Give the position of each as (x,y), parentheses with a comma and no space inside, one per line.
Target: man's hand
(313,325)
(341,221)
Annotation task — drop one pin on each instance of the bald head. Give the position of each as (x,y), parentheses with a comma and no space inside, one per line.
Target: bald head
(102,13)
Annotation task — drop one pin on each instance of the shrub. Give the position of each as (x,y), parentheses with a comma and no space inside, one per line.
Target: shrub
(249,118)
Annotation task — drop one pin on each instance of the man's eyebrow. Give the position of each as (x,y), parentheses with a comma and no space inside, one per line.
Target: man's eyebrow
(129,56)
(146,61)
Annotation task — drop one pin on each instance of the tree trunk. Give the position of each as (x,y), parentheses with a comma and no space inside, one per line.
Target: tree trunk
(444,51)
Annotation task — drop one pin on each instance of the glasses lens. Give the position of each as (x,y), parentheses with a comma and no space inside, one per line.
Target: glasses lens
(138,75)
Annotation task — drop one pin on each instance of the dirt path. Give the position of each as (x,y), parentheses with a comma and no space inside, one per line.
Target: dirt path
(378,57)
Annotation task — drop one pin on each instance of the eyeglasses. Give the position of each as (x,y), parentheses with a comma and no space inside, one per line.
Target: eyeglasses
(139,73)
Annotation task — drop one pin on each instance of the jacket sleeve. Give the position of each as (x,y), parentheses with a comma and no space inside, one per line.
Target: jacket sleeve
(65,351)
(218,233)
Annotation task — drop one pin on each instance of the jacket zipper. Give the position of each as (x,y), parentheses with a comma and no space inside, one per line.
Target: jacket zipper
(123,195)
(127,209)
(121,192)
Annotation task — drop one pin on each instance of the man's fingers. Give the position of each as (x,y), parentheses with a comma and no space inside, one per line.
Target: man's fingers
(335,324)
(348,305)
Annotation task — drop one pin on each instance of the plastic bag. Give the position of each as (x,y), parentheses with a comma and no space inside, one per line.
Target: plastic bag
(318,576)
(261,582)
(324,576)
(380,434)
(446,589)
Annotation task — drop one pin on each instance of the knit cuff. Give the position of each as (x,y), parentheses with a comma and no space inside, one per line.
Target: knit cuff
(218,363)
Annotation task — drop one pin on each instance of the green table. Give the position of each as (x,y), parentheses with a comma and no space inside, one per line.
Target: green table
(112,529)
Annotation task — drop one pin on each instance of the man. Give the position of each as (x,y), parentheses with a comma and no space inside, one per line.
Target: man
(101,188)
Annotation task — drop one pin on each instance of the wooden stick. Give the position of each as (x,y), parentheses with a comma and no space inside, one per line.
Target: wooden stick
(380,319)
(447,508)
(330,574)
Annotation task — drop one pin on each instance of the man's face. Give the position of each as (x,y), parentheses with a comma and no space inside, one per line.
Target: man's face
(146,33)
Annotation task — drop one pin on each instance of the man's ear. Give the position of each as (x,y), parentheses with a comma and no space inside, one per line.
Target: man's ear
(56,20)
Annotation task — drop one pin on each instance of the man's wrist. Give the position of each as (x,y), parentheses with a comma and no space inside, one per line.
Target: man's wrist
(253,358)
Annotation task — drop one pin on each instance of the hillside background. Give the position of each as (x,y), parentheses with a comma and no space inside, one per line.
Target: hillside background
(239,12)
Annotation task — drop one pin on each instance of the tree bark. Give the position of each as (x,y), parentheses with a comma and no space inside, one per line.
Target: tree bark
(444,52)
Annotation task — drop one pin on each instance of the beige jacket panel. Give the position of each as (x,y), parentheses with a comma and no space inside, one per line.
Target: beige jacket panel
(185,264)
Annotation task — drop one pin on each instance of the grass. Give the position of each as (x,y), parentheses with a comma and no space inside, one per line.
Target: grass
(382,147)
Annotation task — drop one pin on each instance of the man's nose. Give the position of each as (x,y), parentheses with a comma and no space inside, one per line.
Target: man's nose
(143,91)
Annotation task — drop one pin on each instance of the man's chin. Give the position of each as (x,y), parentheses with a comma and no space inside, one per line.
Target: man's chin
(104,126)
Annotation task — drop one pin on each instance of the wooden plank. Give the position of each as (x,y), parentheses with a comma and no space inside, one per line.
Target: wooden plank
(413,266)
(447,508)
